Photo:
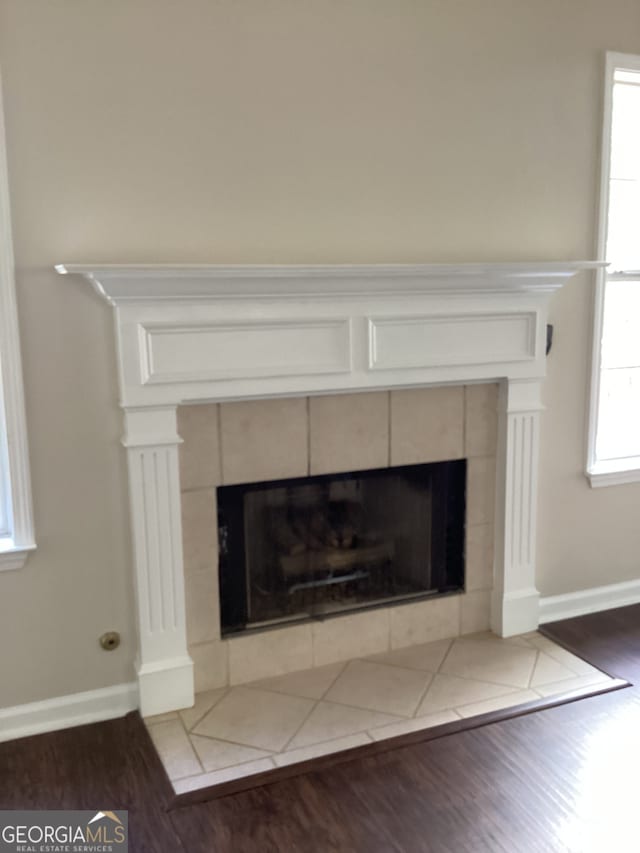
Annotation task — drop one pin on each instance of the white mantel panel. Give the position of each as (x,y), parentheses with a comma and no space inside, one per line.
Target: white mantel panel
(192,352)
(180,351)
(451,340)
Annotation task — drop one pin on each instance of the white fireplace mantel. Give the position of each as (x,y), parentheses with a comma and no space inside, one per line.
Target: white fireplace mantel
(209,333)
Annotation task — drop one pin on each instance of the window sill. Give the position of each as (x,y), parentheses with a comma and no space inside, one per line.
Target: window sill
(13,556)
(614,473)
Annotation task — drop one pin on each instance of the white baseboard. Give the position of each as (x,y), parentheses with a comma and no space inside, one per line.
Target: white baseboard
(63,712)
(556,607)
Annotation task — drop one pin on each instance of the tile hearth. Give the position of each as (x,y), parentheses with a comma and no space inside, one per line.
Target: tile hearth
(235,732)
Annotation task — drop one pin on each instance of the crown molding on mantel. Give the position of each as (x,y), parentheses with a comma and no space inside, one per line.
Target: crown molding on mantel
(119,283)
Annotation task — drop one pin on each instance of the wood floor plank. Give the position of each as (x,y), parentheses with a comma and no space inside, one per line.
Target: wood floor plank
(110,765)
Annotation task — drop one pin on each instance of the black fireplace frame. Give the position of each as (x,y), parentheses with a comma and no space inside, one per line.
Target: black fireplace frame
(447,555)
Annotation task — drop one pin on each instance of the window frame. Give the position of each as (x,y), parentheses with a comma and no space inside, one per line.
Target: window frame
(609,472)
(15,489)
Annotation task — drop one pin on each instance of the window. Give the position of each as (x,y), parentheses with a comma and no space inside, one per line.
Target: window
(16,517)
(614,429)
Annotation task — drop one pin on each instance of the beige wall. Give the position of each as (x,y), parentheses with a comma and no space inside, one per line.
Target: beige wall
(281,130)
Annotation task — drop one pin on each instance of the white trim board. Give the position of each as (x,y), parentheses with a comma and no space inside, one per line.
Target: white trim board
(556,607)
(64,712)
(605,472)
(15,490)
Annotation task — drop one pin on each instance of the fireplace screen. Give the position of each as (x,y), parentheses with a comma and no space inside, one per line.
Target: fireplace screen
(307,548)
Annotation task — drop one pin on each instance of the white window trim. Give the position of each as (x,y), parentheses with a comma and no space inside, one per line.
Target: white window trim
(607,472)
(15,548)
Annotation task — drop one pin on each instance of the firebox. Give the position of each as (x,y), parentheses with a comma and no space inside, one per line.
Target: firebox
(311,547)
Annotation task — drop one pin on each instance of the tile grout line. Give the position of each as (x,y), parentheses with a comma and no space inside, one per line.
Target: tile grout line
(226,767)
(553,654)
(220,447)
(483,680)
(487,681)
(238,743)
(248,686)
(556,648)
(398,665)
(191,746)
(254,685)
(206,713)
(319,743)
(401,718)
(306,717)
(313,707)
(511,692)
(446,655)
(329,740)
(362,708)
(533,669)
(411,719)
(394,665)
(342,669)
(221,770)
(423,695)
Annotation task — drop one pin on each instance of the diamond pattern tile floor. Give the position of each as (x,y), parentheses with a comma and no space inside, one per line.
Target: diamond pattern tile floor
(235,732)
(328,721)
(308,683)
(255,718)
(216,754)
(451,691)
(499,663)
(379,687)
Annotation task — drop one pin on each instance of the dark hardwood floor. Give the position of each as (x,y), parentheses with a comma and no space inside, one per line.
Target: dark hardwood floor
(562,779)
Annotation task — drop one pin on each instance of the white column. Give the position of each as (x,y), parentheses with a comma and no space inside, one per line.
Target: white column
(165,670)
(515,603)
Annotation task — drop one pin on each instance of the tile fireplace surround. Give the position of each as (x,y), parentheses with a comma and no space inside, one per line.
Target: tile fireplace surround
(221,335)
(232,443)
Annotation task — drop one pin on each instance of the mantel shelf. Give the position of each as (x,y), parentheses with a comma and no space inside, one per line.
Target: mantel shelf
(120,283)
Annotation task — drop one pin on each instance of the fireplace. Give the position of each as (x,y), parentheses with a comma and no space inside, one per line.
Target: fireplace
(311,547)
(229,336)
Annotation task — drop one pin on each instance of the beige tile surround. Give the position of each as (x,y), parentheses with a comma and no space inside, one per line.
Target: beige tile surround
(230,443)
(235,732)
